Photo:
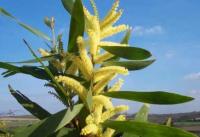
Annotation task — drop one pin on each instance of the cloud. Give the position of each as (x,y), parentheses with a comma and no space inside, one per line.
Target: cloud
(154,30)
(194,93)
(193,76)
(170,54)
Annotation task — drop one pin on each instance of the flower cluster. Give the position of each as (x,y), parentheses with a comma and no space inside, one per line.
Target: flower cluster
(86,65)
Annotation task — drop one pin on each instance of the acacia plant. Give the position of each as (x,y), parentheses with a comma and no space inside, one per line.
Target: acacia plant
(80,75)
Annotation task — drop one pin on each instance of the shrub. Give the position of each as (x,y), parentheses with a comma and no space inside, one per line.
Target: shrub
(84,71)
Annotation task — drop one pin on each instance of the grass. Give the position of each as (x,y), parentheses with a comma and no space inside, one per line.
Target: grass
(187,123)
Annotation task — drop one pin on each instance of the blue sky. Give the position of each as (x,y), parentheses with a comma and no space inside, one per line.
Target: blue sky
(169,29)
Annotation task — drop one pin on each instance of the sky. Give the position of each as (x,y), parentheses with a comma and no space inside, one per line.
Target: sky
(168,28)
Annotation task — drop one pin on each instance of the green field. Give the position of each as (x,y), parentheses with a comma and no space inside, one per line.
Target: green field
(187,123)
(12,124)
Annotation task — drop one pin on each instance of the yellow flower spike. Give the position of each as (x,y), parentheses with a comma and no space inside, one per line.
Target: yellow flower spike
(84,56)
(90,129)
(97,113)
(87,14)
(109,132)
(110,113)
(110,69)
(112,20)
(107,43)
(93,42)
(82,68)
(82,50)
(105,101)
(97,78)
(89,119)
(113,30)
(94,35)
(74,85)
(116,86)
(110,14)
(121,118)
(101,84)
(94,8)
(43,52)
(101,58)
(93,24)
(92,28)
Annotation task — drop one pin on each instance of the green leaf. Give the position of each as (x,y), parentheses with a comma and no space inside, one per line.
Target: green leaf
(8,66)
(131,53)
(89,100)
(27,27)
(77,26)
(46,58)
(29,105)
(66,132)
(51,124)
(157,97)
(125,40)
(35,31)
(146,129)
(142,114)
(130,65)
(29,70)
(5,13)
(68,5)
(169,122)
(129,135)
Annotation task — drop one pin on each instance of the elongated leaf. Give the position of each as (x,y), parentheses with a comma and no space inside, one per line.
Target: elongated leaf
(8,66)
(27,27)
(89,100)
(130,65)
(29,70)
(68,5)
(169,122)
(129,135)
(77,26)
(29,105)
(46,58)
(142,114)
(157,97)
(5,13)
(131,53)
(125,40)
(35,31)
(147,129)
(51,124)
